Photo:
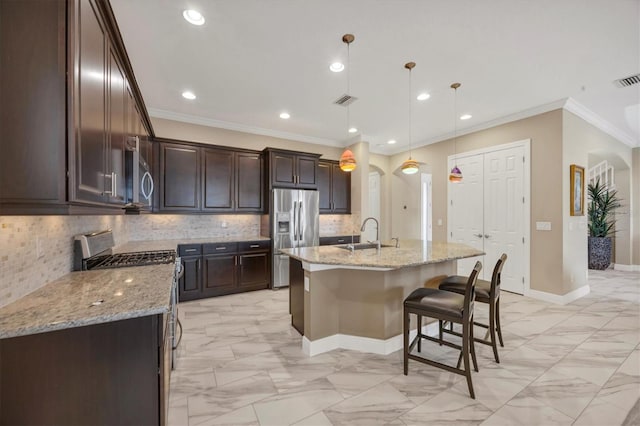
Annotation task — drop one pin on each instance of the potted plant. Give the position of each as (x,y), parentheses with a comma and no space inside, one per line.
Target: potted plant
(601,214)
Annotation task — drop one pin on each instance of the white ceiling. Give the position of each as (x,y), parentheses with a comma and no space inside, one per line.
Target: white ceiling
(253,59)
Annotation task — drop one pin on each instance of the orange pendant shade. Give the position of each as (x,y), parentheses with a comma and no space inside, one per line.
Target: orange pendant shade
(409,167)
(347,161)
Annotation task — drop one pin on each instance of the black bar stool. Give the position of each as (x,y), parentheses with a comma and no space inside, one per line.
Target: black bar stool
(486,292)
(443,306)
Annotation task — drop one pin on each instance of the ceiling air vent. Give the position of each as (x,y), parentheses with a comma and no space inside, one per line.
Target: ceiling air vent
(629,81)
(345,100)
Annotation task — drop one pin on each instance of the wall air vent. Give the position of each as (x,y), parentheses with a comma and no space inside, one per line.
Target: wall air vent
(628,81)
(345,100)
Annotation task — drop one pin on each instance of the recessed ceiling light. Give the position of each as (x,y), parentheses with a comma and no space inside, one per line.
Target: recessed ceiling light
(188,95)
(423,96)
(391,142)
(336,67)
(353,130)
(284,115)
(465,116)
(193,17)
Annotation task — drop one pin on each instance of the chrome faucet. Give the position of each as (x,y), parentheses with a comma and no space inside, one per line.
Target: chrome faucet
(364,224)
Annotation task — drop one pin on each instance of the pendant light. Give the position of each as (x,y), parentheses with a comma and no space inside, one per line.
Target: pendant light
(456,174)
(410,166)
(347,159)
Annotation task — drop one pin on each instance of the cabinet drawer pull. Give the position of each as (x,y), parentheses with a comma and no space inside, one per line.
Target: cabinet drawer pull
(190,250)
(254,246)
(221,248)
(340,240)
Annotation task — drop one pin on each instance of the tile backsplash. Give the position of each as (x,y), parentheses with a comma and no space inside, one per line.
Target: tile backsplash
(24,238)
(173,226)
(339,224)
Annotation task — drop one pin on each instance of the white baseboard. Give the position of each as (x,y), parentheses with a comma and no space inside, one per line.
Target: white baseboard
(559,299)
(362,344)
(626,268)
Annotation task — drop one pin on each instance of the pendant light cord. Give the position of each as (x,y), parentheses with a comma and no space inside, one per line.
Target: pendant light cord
(348,85)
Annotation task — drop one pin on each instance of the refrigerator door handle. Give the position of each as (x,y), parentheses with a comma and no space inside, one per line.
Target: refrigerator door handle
(295,232)
(300,220)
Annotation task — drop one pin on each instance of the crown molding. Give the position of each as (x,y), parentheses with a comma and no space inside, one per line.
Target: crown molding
(204,121)
(592,118)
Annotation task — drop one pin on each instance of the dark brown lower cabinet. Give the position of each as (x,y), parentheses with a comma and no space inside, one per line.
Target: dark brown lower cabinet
(219,274)
(191,282)
(296,294)
(114,373)
(216,269)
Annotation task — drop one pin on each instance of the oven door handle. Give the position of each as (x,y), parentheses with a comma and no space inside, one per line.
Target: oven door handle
(178,325)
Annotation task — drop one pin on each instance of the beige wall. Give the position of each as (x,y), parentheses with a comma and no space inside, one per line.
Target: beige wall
(586,145)
(545,133)
(196,133)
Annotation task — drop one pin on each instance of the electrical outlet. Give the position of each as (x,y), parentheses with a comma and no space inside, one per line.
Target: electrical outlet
(39,248)
(439,222)
(223,224)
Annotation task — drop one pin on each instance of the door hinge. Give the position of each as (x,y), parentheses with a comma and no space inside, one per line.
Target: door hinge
(522,200)
(522,280)
(451,202)
(451,233)
(522,240)
(523,159)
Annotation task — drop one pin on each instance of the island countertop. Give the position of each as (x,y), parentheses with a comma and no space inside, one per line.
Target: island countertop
(409,253)
(69,301)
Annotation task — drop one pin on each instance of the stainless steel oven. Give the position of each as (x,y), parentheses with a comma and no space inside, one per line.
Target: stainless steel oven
(94,251)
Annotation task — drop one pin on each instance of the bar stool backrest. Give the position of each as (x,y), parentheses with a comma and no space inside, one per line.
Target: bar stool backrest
(495,278)
(470,292)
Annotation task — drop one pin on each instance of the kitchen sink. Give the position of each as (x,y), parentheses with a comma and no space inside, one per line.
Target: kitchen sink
(362,246)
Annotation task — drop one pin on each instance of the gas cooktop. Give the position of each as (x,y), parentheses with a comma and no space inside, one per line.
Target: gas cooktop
(121,260)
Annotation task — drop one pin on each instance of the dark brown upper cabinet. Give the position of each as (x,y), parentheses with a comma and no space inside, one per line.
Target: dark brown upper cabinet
(179,177)
(334,187)
(198,178)
(65,75)
(290,169)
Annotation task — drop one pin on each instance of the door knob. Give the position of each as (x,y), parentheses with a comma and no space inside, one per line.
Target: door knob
(487,236)
(478,235)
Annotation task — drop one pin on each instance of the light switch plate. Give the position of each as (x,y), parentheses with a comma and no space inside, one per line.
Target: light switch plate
(543,226)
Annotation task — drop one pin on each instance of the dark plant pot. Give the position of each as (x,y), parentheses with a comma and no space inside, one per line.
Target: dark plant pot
(599,252)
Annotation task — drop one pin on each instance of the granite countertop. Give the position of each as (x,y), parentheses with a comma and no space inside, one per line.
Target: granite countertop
(149,245)
(67,302)
(410,253)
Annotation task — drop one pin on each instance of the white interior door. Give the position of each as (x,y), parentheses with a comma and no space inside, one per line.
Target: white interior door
(504,215)
(465,212)
(487,210)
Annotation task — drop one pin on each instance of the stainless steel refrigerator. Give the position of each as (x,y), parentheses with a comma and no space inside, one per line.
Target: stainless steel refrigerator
(294,223)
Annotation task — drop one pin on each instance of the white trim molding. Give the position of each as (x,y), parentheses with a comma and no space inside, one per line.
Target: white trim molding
(239,127)
(559,299)
(594,119)
(362,344)
(626,268)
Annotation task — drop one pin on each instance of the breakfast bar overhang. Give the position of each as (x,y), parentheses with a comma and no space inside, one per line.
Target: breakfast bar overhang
(352,299)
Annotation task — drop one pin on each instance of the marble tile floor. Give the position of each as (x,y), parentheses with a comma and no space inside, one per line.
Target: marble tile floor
(240,363)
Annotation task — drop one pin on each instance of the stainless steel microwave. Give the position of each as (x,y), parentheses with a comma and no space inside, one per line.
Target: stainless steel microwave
(138,176)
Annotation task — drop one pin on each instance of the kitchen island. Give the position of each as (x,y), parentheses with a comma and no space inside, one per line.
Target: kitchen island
(353,299)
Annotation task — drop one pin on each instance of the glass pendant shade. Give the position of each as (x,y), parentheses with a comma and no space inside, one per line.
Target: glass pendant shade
(455,175)
(409,167)
(347,161)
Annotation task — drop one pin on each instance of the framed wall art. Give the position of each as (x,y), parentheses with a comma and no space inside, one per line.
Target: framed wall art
(577,190)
